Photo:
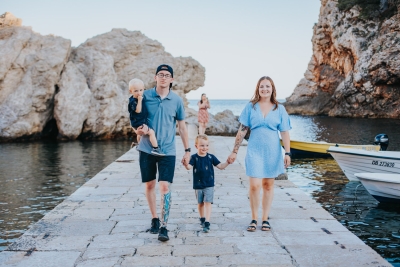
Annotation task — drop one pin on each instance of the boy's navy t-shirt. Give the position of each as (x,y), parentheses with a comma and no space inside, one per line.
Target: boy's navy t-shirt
(203,170)
(137,119)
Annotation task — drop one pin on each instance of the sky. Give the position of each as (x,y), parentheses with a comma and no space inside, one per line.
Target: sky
(237,41)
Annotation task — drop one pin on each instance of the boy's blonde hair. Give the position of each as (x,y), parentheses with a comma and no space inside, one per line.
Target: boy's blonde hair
(200,136)
(135,82)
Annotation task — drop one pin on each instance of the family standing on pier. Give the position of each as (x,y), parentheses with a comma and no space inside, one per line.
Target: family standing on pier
(159,109)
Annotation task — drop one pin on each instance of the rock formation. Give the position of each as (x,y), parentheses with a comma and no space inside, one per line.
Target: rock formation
(78,92)
(72,103)
(29,71)
(355,67)
(108,62)
(9,20)
(222,123)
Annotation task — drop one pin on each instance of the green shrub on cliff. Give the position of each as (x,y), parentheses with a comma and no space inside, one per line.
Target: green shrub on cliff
(371,8)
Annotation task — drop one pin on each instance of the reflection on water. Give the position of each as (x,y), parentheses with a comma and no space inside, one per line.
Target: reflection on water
(36,177)
(377,224)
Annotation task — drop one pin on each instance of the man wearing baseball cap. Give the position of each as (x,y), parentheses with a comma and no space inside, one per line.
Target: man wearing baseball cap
(165,109)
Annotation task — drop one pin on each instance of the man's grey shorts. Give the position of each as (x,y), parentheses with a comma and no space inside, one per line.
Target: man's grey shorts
(205,195)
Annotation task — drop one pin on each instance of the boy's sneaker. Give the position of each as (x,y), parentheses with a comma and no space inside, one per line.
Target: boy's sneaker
(163,235)
(155,226)
(206,228)
(202,221)
(157,152)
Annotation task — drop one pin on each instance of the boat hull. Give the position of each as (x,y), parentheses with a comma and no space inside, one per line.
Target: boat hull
(302,149)
(353,161)
(381,189)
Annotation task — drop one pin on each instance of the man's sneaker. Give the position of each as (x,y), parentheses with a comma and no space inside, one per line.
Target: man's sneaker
(155,226)
(202,221)
(206,228)
(157,152)
(163,235)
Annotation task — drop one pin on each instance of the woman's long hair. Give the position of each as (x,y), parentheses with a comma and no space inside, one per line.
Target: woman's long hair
(256,96)
(201,98)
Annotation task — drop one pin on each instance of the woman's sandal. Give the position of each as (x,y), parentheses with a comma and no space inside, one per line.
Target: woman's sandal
(252,228)
(265,226)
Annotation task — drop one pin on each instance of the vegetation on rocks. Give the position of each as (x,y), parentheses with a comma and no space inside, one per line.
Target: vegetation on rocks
(371,8)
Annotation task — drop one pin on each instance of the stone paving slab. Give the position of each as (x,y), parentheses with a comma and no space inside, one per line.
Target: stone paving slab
(335,255)
(105,222)
(39,258)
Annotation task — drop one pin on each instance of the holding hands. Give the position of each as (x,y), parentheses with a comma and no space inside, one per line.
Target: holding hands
(232,157)
(185,160)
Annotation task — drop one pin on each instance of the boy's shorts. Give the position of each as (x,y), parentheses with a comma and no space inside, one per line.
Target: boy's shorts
(148,167)
(205,195)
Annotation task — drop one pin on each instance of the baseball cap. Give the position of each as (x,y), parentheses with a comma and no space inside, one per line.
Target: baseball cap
(165,67)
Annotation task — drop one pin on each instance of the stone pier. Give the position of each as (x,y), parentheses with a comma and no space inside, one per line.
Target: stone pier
(104,223)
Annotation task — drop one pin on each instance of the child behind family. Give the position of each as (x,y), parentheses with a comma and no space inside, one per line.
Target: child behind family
(138,114)
(203,178)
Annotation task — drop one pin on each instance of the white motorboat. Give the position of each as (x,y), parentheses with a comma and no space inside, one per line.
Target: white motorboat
(353,161)
(384,187)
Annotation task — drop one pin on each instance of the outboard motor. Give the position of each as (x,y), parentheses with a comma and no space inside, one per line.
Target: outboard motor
(382,140)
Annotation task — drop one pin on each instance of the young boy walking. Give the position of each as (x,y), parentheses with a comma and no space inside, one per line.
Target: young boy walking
(138,114)
(203,178)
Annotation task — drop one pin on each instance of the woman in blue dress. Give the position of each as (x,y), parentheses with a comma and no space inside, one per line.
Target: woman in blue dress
(265,117)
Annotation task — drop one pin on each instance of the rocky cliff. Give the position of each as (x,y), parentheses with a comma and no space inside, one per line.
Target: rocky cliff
(30,67)
(355,67)
(47,86)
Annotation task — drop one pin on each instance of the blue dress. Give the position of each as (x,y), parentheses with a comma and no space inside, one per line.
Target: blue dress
(264,155)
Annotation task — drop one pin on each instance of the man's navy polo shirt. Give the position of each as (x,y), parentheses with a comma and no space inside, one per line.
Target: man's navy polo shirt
(162,117)
(203,170)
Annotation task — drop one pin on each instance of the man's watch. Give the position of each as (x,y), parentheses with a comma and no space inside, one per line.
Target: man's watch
(289,154)
(187,149)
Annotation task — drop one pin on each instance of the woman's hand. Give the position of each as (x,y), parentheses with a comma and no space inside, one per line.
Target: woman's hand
(232,157)
(286,144)
(287,161)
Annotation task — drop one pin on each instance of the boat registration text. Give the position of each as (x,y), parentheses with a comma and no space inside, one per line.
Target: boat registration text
(383,163)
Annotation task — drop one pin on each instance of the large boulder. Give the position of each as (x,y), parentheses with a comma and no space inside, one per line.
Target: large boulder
(108,62)
(72,103)
(29,72)
(355,67)
(48,87)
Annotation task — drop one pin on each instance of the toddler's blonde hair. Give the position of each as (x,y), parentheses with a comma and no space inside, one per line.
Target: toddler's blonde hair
(200,136)
(135,82)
